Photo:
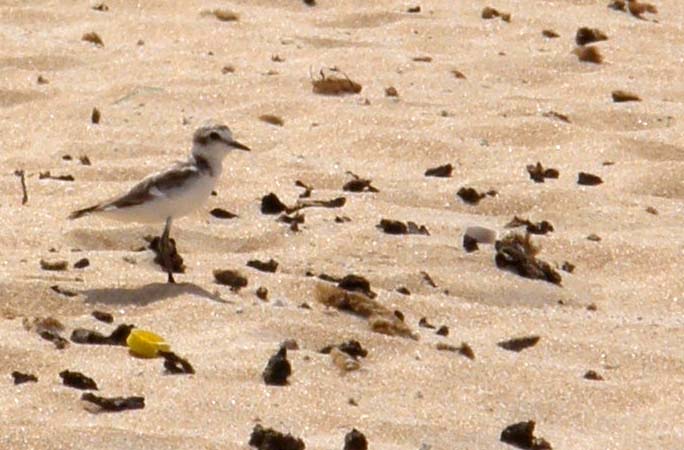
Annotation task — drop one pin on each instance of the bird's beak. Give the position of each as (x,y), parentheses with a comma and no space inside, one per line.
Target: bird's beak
(236,144)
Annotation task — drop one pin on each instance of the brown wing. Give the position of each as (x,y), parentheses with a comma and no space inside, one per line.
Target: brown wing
(144,190)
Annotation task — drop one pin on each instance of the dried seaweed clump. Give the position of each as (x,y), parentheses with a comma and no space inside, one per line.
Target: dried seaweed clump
(517,253)
(355,440)
(618,5)
(542,227)
(278,369)
(624,96)
(176,259)
(231,278)
(588,54)
(114,404)
(519,344)
(587,35)
(521,435)
(538,173)
(556,115)
(391,91)
(224,15)
(93,38)
(358,184)
(637,8)
(380,319)
(272,119)
(270,439)
(334,84)
(491,13)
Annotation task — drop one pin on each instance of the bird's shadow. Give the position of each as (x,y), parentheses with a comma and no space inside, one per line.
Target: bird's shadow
(146,294)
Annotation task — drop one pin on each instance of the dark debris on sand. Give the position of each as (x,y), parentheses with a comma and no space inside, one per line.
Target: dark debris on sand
(21,378)
(231,278)
(93,38)
(588,179)
(355,440)
(351,282)
(337,202)
(262,293)
(22,180)
(270,439)
(440,171)
(54,337)
(428,279)
(63,291)
(586,35)
(307,189)
(391,91)
(174,364)
(56,266)
(82,263)
(264,266)
(589,54)
(424,323)
(271,204)
(542,227)
(592,375)
(294,220)
(48,328)
(471,196)
(490,13)
(358,184)
(176,259)
(117,337)
(48,176)
(272,118)
(356,283)
(95,115)
(103,316)
(620,96)
(568,267)
(114,404)
(538,173)
(278,369)
(618,5)
(556,115)
(352,348)
(519,344)
(516,252)
(470,244)
(390,226)
(464,349)
(521,435)
(334,84)
(77,380)
(380,319)
(221,213)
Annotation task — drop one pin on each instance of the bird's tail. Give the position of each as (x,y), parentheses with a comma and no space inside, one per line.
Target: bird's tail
(83,212)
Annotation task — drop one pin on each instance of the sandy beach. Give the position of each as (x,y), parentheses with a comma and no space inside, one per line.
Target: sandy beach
(488,96)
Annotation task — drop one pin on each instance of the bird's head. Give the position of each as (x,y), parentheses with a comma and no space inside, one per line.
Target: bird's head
(214,141)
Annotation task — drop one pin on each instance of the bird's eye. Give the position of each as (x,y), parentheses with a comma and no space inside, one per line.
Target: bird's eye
(214,135)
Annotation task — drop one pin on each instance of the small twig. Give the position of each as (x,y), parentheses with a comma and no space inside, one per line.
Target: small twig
(22,178)
(301,204)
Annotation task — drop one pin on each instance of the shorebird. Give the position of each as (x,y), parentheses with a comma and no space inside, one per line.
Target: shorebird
(174,192)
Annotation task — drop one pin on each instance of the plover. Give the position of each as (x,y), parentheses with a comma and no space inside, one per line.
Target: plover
(174,192)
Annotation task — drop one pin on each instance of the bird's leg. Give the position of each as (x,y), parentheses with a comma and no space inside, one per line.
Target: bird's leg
(165,250)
